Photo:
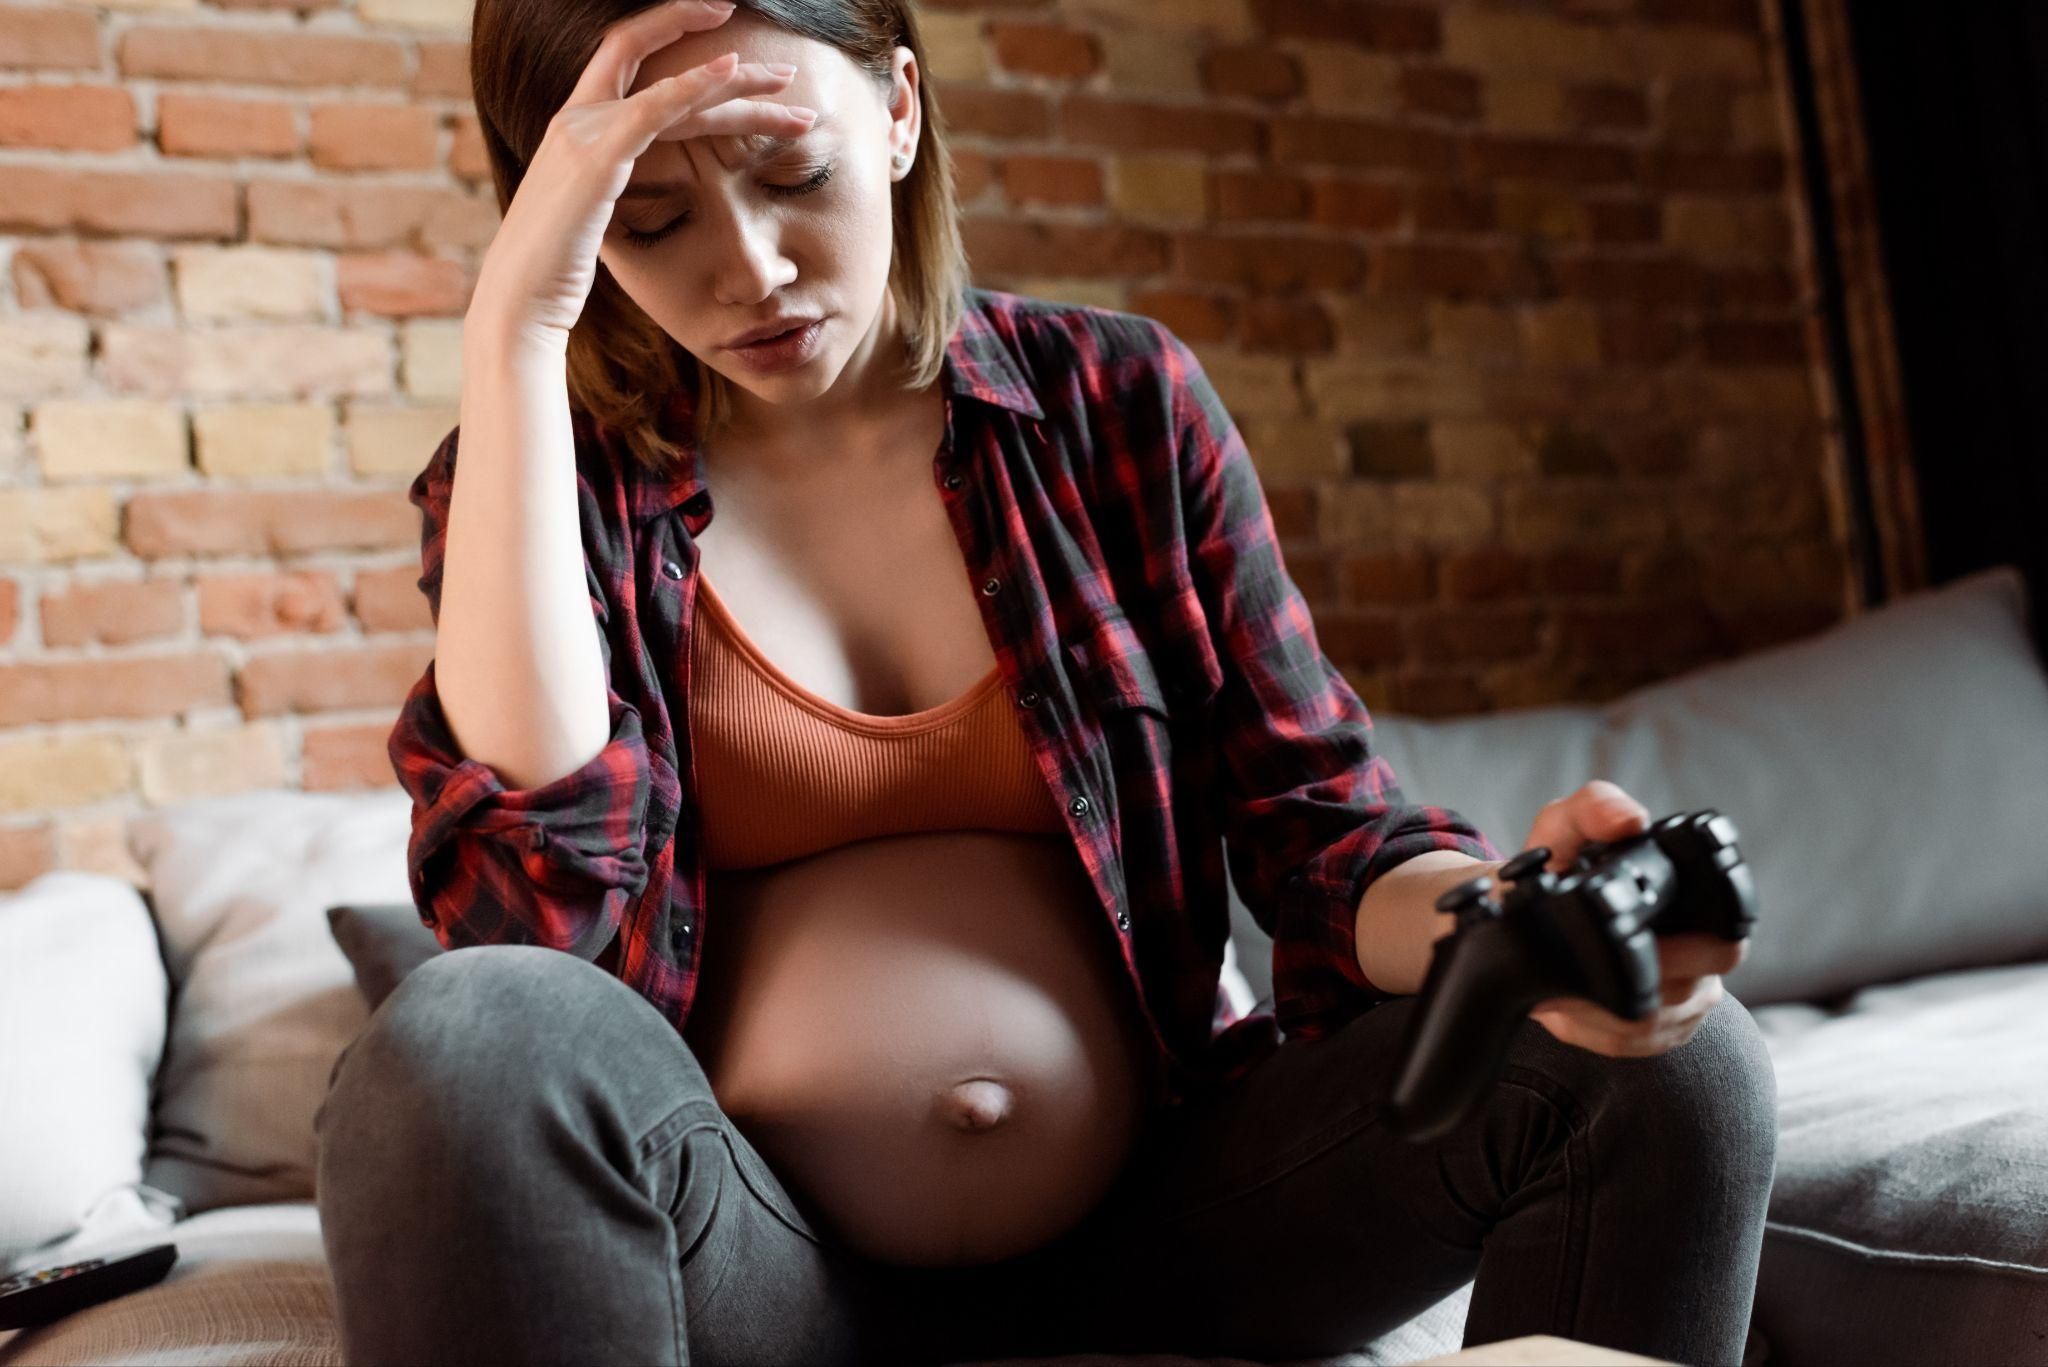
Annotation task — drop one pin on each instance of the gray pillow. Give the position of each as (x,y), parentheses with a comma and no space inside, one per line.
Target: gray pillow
(1889,777)
(383,941)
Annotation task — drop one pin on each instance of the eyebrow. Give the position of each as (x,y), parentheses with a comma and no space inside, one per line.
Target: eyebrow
(758,147)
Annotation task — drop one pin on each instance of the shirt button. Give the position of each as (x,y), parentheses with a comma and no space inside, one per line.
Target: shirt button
(697,504)
(672,569)
(427,918)
(990,586)
(1123,920)
(954,481)
(1028,698)
(1079,805)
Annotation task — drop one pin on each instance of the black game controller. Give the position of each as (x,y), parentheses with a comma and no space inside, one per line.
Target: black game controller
(1590,931)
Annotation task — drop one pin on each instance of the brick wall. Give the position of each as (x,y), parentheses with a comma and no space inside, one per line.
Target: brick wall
(1508,298)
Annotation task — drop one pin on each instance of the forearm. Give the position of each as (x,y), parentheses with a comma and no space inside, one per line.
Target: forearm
(517,659)
(1398,923)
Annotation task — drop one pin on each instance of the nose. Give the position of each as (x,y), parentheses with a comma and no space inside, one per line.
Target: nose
(751,266)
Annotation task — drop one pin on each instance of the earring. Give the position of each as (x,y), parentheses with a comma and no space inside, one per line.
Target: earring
(901,161)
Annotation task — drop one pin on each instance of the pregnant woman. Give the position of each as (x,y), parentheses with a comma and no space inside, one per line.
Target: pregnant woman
(845,681)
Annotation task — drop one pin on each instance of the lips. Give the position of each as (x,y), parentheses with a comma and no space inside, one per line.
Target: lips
(769,332)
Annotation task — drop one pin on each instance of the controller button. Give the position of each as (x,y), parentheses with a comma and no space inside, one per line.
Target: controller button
(1525,863)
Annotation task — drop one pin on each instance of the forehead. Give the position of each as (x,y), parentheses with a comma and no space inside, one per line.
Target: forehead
(754,39)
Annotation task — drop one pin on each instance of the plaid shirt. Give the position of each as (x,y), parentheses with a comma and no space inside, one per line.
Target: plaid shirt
(1162,663)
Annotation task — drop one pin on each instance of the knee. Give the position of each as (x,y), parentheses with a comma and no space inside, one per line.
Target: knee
(1710,1105)
(470,1034)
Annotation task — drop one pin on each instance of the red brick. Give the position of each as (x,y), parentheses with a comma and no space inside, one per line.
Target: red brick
(252,606)
(1578,572)
(1360,142)
(1625,220)
(1018,247)
(156,205)
(1741,15)
(1487,573)
(1662,280)
(206,126)
(1475,635)
(26,853)
(402,285)
(1437,694)
(1490,158)
(1291,325)
(373,137)
(390,600)
(1051,180)
(1632,337)
(267,522)
(1441,92)
(102,279)
(1447,271)
(1677,169)
(10,609)
(1732,341)
(997,113)
(466,155)
(1388,577)
(327,680)
(1131,126)
(1265,261)
(248,56)
(1597,107)
(49,38)
(1190,316)
(443,71)
(347,757)
(1354,637)
(973,172)
(113,613)
(1384,27)
(1453,208)
(1242,195)
(67,118)
(111,686)
(1252,72)
(1044,50)
(1367,205)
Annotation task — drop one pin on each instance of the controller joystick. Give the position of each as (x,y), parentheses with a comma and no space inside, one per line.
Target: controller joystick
(1588,931)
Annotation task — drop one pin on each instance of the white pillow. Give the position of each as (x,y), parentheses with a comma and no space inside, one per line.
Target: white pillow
(264,999)
(83,1002)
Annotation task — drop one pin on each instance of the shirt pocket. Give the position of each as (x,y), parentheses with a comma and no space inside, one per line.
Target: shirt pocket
(1113,670)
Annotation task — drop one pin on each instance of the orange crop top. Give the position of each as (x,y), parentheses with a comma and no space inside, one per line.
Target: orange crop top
(782,772)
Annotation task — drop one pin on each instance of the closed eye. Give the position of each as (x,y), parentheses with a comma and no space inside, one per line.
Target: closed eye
(635,238)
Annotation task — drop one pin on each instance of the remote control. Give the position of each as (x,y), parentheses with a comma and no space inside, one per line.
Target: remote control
(52,1292)
(1590,932)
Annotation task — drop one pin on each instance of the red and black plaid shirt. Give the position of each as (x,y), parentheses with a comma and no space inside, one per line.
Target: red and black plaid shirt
(1162,663)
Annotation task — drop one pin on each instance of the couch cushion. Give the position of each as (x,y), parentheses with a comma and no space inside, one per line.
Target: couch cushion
(1912,1173)
(83,1004)
(251,1287)
(1884,775)
(264,1001)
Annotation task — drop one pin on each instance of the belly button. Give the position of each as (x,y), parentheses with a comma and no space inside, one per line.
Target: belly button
(976,1104)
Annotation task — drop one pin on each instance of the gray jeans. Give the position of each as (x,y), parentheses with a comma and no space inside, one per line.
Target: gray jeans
(521,1161)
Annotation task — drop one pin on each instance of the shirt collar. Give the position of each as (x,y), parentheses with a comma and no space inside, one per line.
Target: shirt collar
(980,362)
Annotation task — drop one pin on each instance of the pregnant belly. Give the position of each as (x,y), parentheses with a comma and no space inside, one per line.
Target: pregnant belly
(928,1037)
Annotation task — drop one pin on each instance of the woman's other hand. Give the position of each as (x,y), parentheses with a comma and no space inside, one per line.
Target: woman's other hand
(1691,963)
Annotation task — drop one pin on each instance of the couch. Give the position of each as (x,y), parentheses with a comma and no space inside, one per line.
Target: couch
(163,1048)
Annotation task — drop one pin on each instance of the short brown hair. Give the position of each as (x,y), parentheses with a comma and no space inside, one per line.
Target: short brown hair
(525,58)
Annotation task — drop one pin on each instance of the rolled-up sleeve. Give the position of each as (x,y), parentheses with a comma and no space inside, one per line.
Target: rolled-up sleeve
(1312,815)
(555,865)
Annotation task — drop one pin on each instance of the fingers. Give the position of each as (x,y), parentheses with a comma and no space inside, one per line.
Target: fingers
(738,117)
(612,68)
(1598,811)
(1695,953)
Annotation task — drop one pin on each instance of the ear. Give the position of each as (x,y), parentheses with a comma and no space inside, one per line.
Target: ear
(906,112)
